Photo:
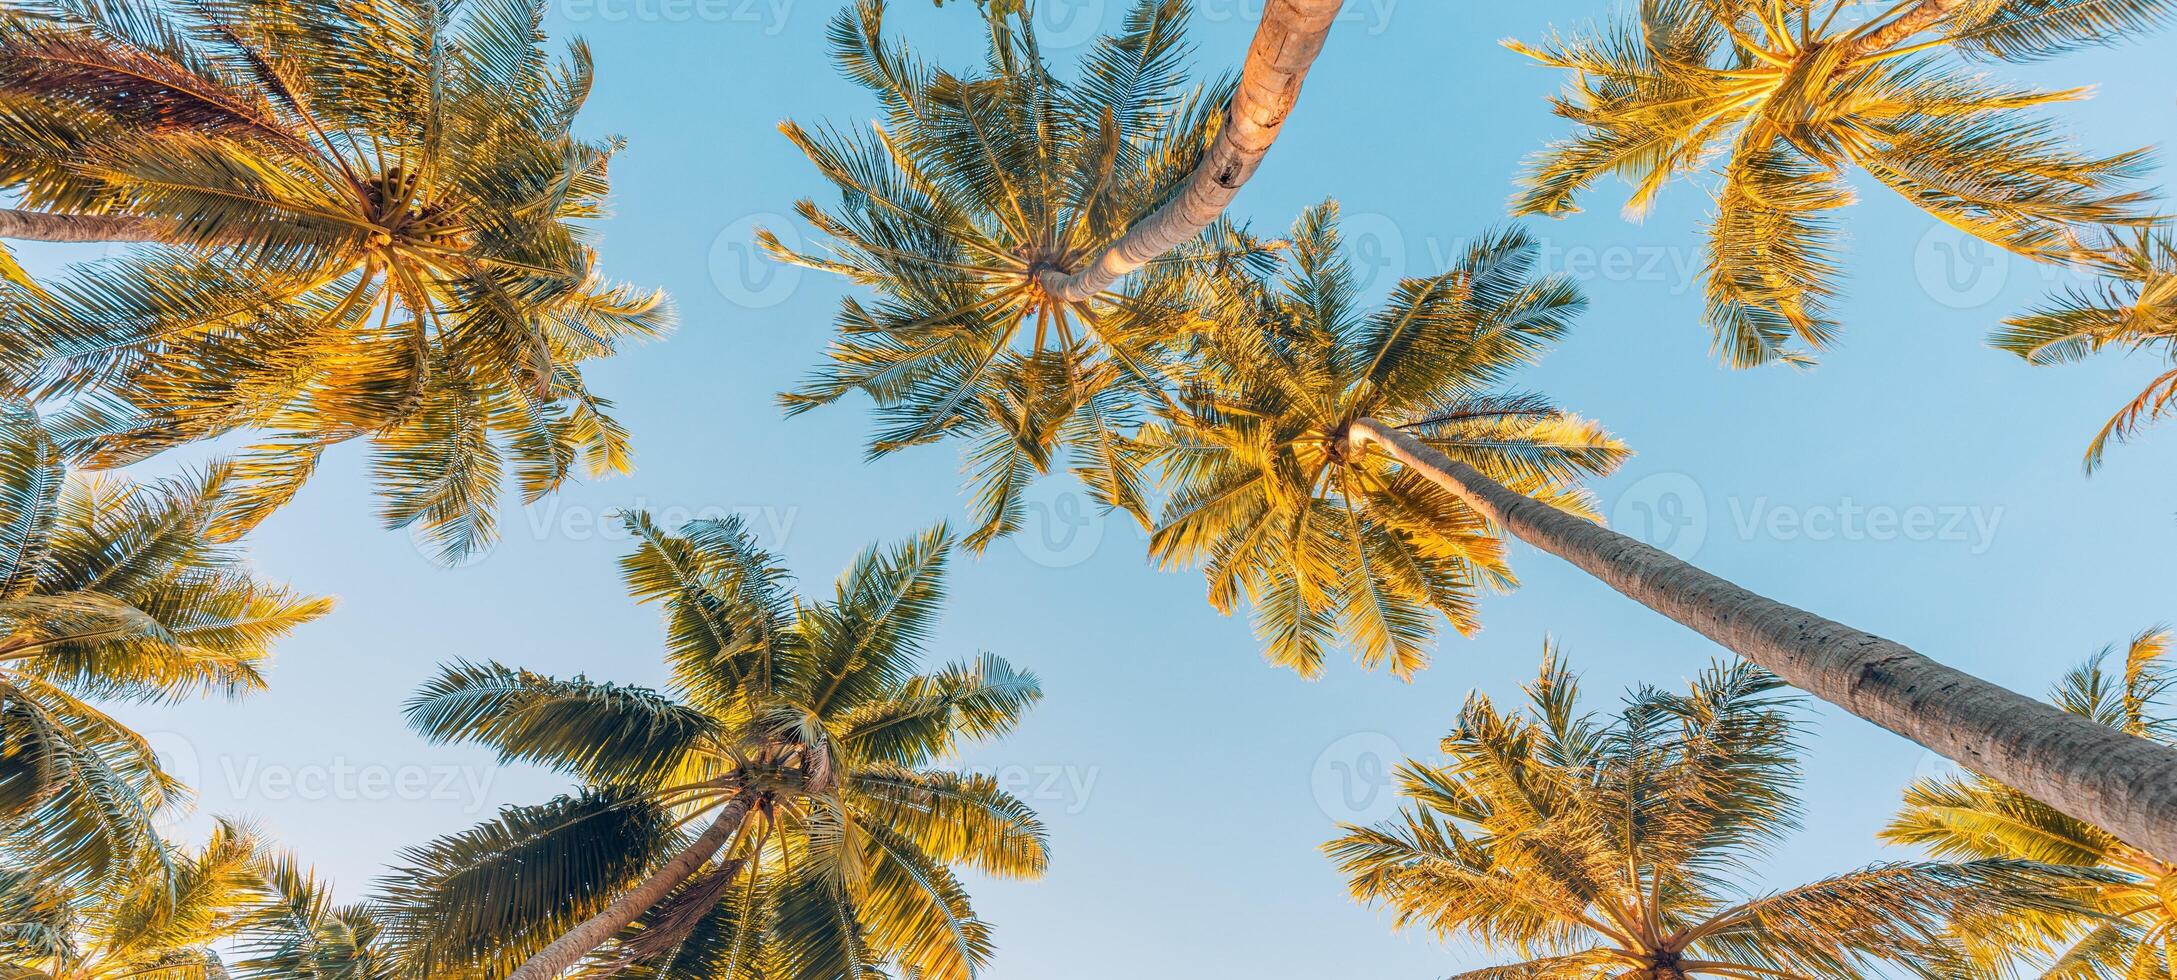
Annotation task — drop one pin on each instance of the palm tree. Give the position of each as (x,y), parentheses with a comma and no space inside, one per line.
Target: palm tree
(159,921)
(799,739)
(2091,772)
(111,591)
(295,931)
(2133,307)
(986,203)
(1784,99)
(1970,816)
(1327,544)
(1608,847)
(359,218)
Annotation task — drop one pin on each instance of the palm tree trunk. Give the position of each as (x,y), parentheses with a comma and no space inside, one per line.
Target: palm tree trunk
(1286,42)
(1922,16)
(2123,784)
(44,226)
(567,950)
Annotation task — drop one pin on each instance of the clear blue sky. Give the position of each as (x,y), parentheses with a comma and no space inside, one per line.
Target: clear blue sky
(1918,484)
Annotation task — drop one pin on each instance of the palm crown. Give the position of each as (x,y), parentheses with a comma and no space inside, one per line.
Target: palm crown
(2134,306)
(367,215)
(967,194)
(1607,847)
(805,721)
(111,591)
(1329,543)
(162,921)
(1783,100)
(2134,913)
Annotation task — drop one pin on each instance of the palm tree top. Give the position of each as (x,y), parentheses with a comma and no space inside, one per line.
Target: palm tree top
(1781,97)
(1615,845)
(1269,491)
(366,219)
(807,735)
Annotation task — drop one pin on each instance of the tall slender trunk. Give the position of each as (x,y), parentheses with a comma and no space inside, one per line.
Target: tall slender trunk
(2123,784)
(1922,16)
(567,950)
(45,226)
(1286,42)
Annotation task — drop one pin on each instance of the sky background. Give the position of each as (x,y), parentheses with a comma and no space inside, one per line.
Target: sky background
(1918,484)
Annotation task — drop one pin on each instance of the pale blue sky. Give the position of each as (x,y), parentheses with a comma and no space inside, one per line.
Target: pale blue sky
(1918,484)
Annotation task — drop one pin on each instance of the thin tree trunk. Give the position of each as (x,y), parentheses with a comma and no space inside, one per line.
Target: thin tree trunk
(2123,784)
(1922,16)
(567,950)
(44,226)
(1286,42)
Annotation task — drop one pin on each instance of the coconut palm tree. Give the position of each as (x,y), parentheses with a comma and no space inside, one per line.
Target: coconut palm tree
(111,591)
(1780,98)
(357,219)
(1609,846)
(1328,545)
(1972,817)
(160,921)
(295,931)
(995,215)
(797,746)
(1307,462)
(2133,307)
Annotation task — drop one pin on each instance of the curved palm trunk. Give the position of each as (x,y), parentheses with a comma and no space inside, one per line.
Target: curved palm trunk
(567,950)
(2091,772)
(1290,36)
(1922,16)
(44,226)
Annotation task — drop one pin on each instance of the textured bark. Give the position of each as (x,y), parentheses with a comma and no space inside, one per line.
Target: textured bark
(567,950)
(1286,42)
(1918,19)
(41,226)
(2123,784)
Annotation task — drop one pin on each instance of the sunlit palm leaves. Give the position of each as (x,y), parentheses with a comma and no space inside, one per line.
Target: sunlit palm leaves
(111,591)
(1329,546)
(811,712)
(1969,817)
(295,931)
(970,189)
(368,211)
(2134,307)
(1776,99)
(159,921)
(1611,846)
